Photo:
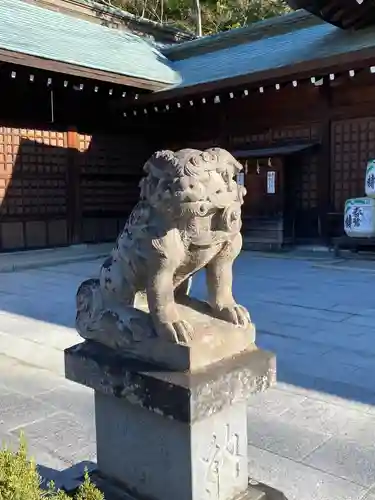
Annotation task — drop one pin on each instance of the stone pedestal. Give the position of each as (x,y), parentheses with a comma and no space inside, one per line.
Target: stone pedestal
(168,435)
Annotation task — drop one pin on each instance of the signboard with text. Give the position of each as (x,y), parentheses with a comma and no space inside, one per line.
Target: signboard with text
(271,182)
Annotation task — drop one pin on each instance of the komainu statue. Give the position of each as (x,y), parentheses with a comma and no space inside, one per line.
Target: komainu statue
(188,219)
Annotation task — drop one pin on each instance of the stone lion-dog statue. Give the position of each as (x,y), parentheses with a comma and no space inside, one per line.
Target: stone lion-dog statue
(188,219)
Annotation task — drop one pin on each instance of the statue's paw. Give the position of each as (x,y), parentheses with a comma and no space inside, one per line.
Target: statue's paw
(178,332)
(236,314)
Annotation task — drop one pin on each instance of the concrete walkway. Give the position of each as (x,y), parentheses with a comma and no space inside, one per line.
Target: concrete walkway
(312,436)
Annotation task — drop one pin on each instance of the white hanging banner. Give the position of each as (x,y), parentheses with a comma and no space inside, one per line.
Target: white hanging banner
(271,182)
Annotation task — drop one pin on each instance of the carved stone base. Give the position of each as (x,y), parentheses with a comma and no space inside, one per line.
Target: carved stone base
(162,458)
(129,331)
(165,435)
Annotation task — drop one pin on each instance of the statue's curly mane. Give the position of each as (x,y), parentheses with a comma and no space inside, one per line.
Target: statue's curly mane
(191,177)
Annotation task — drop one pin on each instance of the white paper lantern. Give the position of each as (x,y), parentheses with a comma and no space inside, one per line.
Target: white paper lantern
(370,179)
(359,217)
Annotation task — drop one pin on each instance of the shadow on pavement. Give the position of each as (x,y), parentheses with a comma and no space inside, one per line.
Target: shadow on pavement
(68,479)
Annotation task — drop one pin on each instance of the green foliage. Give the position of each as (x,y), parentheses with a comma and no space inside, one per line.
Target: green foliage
(88,491)
(19,479)
(216,15)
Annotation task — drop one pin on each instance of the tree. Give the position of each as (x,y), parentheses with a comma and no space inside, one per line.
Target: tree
(202,16)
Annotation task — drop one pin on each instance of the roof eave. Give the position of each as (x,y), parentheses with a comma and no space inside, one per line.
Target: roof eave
(297,71)
(31,61)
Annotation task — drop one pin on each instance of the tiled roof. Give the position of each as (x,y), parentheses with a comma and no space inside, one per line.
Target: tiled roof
(259,48)
(32,30)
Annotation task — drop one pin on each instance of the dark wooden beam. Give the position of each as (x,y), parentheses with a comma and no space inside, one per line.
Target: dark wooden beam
(365,17)
(339,12)
(337,16)
(328,10)
(81,71)
(74,208)
(324,165)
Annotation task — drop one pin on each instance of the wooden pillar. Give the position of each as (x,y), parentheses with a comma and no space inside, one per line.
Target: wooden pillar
(324,165)
(74,207)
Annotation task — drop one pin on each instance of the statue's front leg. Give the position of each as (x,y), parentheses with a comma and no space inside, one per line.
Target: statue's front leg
(162,306)
(219,276)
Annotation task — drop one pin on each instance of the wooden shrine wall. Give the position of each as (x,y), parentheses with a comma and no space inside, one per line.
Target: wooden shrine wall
(62,187)
(59,186)
(352,138)
(278,117)
(33,186)
(110,168)
(258,121)
(339,116)
(306,183)
(352,145)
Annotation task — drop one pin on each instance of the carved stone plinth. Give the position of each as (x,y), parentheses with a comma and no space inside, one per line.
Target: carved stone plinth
(167,435)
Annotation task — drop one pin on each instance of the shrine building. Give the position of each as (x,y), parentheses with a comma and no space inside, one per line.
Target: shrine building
(89,94)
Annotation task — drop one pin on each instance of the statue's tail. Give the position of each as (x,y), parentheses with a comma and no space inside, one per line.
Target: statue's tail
(89,302)
(117,326)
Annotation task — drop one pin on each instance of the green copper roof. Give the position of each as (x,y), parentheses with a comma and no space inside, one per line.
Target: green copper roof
(278,44)
(29,29)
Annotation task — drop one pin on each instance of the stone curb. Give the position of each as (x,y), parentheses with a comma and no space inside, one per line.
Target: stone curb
(336,267)
(20,266)
(45,258)
(318,260)
(311,257)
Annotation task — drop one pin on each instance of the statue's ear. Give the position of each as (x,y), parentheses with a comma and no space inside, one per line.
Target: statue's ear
(158,157)
(163,164)
(237,165)
(165,153)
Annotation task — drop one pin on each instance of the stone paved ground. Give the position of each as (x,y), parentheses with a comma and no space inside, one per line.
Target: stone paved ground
(311,436)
